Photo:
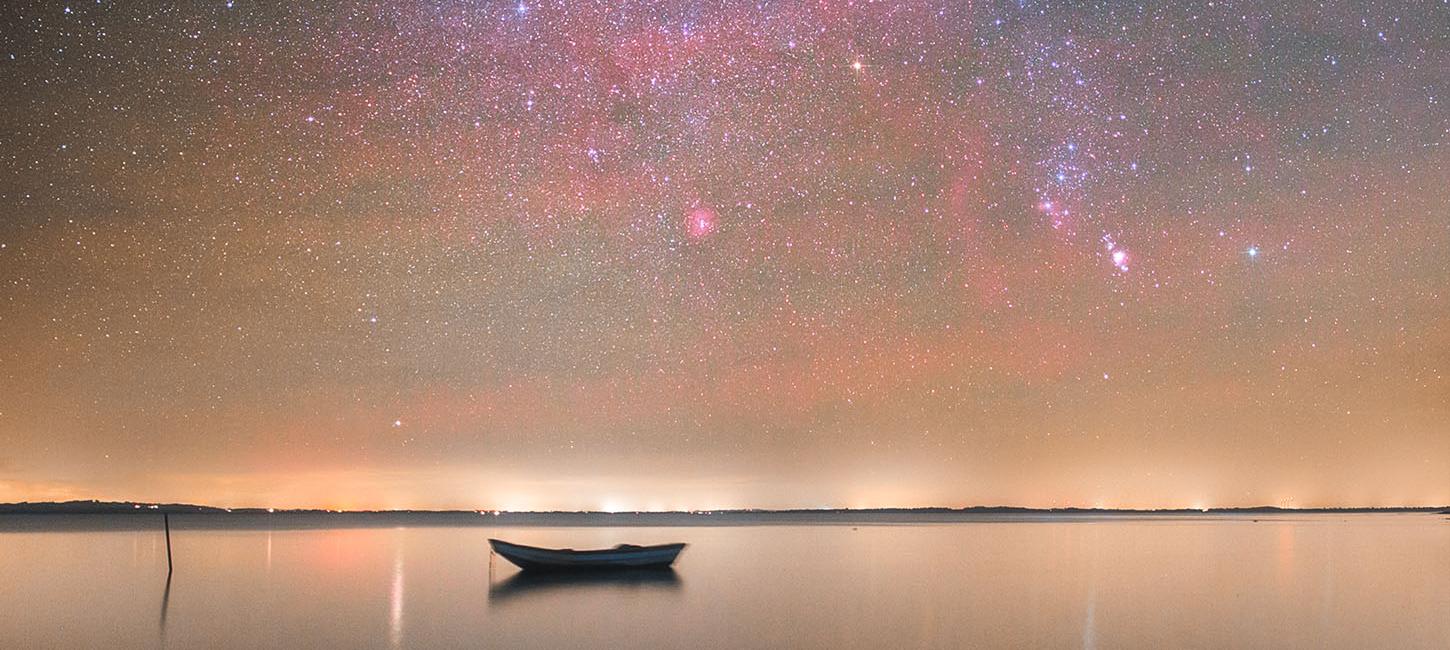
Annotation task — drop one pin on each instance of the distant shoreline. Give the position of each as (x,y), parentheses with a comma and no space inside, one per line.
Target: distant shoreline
(101,516)
(142,508)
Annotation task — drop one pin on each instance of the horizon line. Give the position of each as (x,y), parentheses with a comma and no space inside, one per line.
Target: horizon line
(119,506)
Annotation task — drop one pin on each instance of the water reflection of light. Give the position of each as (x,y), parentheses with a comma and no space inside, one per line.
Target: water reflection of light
(1285,555)
(395,601)
(1090,618)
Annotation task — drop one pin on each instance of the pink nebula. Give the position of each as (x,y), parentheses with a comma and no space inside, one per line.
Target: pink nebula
(702,222)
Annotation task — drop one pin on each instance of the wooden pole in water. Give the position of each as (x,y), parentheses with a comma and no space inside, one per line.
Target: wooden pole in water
(166,520)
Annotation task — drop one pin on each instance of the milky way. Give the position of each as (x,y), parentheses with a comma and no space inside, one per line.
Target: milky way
(690,255)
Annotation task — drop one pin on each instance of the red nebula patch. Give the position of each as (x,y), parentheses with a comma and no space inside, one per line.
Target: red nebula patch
(701,222)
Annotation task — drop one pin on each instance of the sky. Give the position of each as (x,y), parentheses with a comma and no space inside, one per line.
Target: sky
(680,255)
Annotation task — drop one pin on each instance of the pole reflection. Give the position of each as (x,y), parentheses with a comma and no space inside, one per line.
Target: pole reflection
(165,606)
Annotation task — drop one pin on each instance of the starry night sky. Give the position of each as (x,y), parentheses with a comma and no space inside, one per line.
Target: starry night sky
(592,255)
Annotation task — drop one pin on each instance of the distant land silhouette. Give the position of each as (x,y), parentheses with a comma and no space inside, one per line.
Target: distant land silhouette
(126,515)
(92,507)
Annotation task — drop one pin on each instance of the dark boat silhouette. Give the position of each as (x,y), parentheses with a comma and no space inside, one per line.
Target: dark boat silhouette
(624,556)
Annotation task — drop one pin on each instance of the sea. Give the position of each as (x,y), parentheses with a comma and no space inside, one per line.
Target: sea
(991,581)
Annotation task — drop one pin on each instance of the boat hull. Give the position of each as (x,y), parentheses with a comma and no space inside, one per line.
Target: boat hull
(533,558)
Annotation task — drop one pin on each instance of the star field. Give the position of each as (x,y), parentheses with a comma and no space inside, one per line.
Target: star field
(696,255)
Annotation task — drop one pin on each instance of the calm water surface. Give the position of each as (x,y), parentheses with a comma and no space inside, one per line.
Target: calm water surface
(1360,581)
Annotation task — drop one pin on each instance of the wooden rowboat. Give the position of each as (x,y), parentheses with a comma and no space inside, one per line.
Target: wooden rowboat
(624,556)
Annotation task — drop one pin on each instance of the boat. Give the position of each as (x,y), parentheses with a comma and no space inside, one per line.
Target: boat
(624,556)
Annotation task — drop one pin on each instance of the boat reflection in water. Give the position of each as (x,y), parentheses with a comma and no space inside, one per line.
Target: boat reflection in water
(624,568)
(625,580)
